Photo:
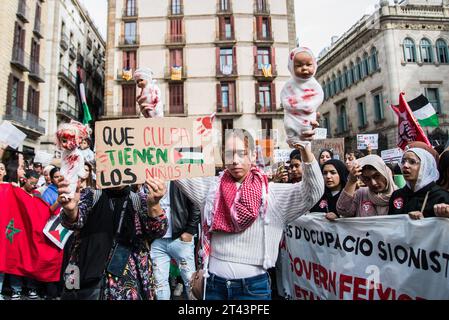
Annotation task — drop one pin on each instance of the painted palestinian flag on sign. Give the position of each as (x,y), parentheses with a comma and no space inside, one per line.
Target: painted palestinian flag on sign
(189,155)
(56,232)
(424,112)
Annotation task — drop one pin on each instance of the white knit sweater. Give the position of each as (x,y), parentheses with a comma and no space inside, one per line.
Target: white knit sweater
(286,202)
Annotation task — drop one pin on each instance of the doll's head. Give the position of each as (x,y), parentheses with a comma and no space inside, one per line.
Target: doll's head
(70,135)
(302,63)
(143,77)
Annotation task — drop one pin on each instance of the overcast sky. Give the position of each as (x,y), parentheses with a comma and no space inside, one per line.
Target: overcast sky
(316,20)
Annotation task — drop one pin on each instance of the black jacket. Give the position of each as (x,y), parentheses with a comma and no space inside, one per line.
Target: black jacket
(404,200)
(327,203)
(185,216)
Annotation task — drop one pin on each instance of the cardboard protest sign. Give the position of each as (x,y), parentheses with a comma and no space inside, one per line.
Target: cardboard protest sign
(337,145)
(392,155)
(363,140)
(369,258)
(128,151)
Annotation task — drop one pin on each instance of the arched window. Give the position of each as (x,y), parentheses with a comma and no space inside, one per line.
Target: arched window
(409,50)
(359,69)
(426,51)
(345,77)
(351,74)
(374,60)
(338,83)
(442,51)
(366,69)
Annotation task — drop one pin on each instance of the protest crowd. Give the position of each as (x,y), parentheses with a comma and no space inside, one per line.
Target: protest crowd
(222,234)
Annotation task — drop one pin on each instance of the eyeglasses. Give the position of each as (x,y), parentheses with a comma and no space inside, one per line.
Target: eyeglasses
(411,162)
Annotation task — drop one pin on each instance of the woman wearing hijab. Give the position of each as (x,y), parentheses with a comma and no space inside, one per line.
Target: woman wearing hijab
(335,177)
(419,197)
(372,200)
(325,155)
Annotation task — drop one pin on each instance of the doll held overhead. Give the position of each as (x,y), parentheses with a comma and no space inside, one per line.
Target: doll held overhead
(301,95)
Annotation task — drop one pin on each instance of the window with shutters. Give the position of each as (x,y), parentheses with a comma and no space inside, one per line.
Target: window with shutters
(267,128)
(263,57)
(226,28)
(362,113)
(224,6)
(433,95)
(131,8)
(426,51)
(176,31)
(176,92)
(442,51)
(325,122)
(226,97)
(176,7)
(409,50)
(15,92)
(176,59)
(226,124)
(226,60)
(263,28)
(33,101)
(378,106)
(129,60)
(130,32)
(265,97)
(342,119)
(128,99)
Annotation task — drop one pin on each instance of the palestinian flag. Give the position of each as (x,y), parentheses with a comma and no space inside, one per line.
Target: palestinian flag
(424,112)
(56,232)
(82,97)
(189,155)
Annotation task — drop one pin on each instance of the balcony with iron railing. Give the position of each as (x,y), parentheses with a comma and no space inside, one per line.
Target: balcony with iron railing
(171,76)
(20,58)
(37,30)
(25,119)
(261,7)
(268,111)
(124,75)
(224,7)
(129,41)
(268,75)
(226,71)
(66,110)
(263,39)
(175,10)
(175,40)
(37,72)
(177,110)
(229,110)
(130,13)
(22,11)
(66,75)
(64,41)
(225,38)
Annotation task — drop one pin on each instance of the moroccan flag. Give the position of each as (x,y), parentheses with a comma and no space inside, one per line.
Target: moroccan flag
(424,112)
(189,155)
(82,97)
(408,127)
(24,249)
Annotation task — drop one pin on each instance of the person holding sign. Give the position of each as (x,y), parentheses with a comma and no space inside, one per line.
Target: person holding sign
(419,197)
(243,218)
(372,200)
(110,257)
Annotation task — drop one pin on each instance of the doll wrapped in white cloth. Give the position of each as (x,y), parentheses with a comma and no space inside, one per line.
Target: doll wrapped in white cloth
(301,95)
(68,139)
(152,106)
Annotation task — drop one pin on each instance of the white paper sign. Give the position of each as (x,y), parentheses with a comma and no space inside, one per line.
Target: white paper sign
(10,135)
(320,134)
(369,258)
(392,155)
(43,157)
(363,140)
(282,155)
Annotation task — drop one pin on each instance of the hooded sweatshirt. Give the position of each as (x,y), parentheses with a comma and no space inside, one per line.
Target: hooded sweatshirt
(300,99)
